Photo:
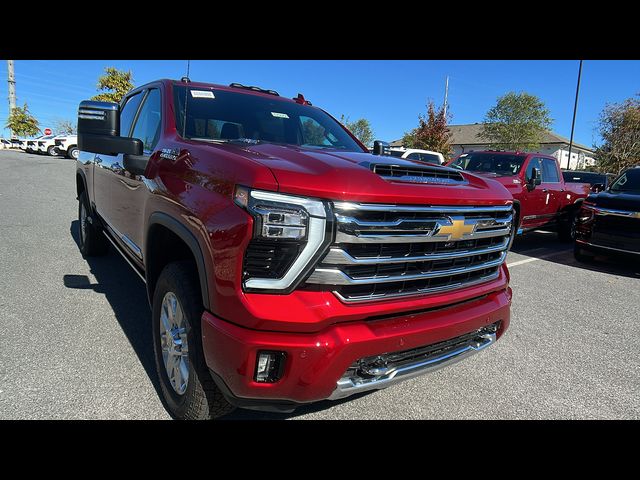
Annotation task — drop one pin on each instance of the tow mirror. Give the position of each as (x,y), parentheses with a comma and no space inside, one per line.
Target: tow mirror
(99,130)
(534,179)
(381,148)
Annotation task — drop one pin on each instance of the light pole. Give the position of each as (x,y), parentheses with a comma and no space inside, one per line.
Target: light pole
(573,122)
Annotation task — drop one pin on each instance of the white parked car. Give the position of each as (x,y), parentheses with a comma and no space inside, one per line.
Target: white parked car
(4,143)
(31,144)
(68,145)
(48,144)
(426,156)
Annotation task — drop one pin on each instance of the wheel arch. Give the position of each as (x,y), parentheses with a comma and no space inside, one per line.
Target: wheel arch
(162,228)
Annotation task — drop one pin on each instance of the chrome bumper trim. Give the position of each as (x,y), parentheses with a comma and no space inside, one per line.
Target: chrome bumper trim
(349,385)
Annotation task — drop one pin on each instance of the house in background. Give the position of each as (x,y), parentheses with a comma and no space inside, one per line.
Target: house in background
(466,138)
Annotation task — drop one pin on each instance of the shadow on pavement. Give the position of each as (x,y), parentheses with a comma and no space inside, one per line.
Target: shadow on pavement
(545,245)
(127,295)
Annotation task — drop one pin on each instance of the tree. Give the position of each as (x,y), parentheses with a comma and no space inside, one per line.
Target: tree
(361,128)
(518,121)
(431,133)
(22,123)
(64,127)
(619,127)
(114,85)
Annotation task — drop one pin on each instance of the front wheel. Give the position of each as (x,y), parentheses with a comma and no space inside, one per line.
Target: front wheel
(51,151)
(188,389)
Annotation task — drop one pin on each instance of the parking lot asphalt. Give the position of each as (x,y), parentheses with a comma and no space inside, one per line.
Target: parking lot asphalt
(75,341)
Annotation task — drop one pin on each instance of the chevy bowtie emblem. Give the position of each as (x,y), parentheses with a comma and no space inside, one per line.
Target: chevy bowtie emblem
(457,230)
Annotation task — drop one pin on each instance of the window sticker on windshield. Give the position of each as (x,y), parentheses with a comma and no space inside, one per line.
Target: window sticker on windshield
(202,94)
(279,115)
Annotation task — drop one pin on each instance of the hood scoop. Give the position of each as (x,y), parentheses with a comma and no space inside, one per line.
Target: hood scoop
(418,174)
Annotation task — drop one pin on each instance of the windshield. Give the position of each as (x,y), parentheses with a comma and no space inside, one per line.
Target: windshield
(502,164)
(628,182)
(222,116)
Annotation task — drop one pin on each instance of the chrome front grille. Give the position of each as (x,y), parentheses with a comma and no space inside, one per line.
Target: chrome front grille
(386,251)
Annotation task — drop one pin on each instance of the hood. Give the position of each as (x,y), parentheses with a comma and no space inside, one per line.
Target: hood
(337,175)
(619,201)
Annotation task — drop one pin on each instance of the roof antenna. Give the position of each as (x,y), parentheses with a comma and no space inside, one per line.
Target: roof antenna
(185,79)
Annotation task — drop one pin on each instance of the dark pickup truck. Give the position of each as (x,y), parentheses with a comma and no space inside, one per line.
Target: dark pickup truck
(285,264)
(541,197)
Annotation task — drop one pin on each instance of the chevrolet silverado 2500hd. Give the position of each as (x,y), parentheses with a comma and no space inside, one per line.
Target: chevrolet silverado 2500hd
(285,264)
(541,196)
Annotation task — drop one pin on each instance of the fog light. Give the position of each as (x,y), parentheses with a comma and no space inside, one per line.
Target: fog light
(269,366)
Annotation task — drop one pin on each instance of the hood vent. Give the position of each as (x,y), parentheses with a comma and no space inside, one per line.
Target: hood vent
(418,174)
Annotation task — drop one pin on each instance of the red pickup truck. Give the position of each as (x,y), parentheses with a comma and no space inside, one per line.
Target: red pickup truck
(541,197)
(284,263)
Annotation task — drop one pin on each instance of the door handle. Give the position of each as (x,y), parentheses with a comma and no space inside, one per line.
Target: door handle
(545,190)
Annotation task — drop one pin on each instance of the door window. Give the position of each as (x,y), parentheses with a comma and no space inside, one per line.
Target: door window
(549,171)
(147,127)
(533,163)
(128,113)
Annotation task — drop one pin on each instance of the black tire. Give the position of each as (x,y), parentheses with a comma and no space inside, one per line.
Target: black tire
(51,151)
(202,400)
(92,241)
(566,227)
(71,152)
(579,255)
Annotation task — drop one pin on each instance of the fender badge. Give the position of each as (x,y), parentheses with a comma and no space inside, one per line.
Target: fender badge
(170,154)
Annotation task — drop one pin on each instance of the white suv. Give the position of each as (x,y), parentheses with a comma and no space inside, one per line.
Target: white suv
(48,144)
(426,156)
(68,145)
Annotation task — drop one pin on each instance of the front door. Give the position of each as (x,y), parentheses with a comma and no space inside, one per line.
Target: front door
(107,166)
(536,209)
(129,190)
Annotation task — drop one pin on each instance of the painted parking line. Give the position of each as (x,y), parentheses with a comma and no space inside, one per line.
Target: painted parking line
(542,257)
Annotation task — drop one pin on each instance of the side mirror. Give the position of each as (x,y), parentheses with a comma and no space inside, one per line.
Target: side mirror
(99,130)
(597,187)
(535,178)
(381,148)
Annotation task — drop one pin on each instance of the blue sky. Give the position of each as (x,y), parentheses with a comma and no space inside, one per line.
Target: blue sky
(389,93)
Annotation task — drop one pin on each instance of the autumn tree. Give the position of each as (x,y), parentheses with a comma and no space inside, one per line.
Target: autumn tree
(22,123)
(431,133)
(518,121)
(114,85)
(619,127)
(64,127)
(361,128)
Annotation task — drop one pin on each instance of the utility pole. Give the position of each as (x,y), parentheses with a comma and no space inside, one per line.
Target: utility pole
(446,95)
(573,122)
(12,88)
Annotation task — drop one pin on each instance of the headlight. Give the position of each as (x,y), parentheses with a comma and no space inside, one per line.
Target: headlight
(289,234)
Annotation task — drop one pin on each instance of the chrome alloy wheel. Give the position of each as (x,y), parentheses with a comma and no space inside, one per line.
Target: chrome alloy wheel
(173,342)
(75,154)
(83,222)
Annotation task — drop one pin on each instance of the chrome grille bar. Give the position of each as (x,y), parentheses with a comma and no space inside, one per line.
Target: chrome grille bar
(334,276)
(338,256)
(390,251)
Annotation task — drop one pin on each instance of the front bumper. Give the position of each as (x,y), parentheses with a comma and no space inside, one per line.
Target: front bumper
(317,363)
